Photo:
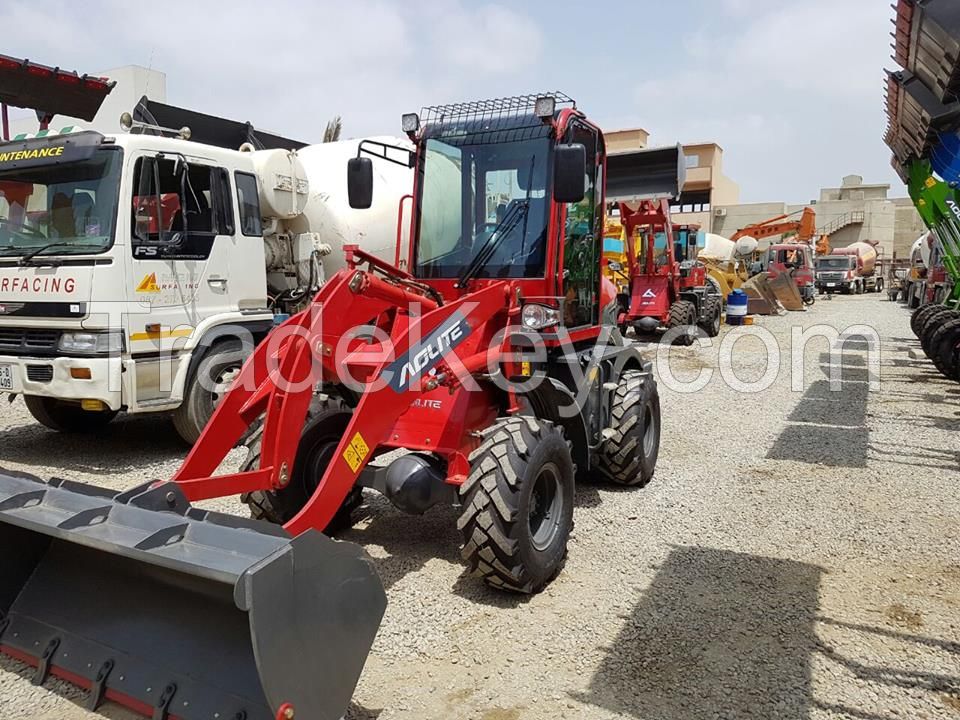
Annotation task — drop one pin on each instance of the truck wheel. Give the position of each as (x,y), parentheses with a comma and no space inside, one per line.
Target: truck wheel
(879,286)
(919,317)
(683,314)
(218,368)
(937,341)
(327,420)
(518,505)
(712,309)
(948,360)
(66,417)
(928,329)
(629,456)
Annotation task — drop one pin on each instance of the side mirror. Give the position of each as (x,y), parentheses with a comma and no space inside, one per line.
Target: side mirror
(614,266)
(360,182)
(569,173)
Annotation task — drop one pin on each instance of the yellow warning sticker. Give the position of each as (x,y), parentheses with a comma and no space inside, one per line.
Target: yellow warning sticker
(357,452)
(149,284)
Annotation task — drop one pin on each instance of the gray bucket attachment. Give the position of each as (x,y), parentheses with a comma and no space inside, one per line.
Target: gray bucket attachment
(646,174)
(177,612)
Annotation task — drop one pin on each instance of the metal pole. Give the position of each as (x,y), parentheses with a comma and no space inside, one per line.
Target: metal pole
(6,121)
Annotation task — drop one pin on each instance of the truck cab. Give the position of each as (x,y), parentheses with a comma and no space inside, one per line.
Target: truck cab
(131,276)
(796,260)
(837,273)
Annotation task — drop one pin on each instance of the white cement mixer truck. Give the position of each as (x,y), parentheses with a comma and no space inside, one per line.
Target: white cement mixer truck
(137,270)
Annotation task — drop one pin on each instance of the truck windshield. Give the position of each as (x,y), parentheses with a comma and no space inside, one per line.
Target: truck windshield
(70,207)
(471,192)
(833,263)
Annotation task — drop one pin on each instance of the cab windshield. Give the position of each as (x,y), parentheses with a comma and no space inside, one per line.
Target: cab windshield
(484,192)
(72,208)
(833,263)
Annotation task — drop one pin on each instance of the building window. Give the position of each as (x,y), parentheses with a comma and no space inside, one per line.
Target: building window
(693,161)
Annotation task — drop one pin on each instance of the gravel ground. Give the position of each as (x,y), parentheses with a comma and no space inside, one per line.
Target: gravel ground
(796,556)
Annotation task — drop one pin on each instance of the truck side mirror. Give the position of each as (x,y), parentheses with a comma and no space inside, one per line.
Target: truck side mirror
(569,173)
(360,182)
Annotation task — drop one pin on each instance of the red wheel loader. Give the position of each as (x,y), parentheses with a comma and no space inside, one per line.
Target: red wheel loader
(494,365)
(668,285)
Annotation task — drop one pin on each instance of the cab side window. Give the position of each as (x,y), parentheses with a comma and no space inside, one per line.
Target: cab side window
(248,201)
(178,210)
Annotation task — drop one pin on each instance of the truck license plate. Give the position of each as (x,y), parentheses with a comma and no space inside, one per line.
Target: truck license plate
(831,284)
(6,377)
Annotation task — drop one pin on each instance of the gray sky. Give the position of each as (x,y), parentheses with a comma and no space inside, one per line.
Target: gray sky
(792,89)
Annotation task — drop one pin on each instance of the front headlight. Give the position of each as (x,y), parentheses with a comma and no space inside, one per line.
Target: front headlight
(538,317)
(91,343)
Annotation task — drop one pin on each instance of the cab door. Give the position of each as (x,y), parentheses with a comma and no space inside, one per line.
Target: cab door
(182,221)
(583,234)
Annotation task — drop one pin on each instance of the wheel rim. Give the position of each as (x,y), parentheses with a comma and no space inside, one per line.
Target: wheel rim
(314,465)
(546,507)
(222,384)
(649,431)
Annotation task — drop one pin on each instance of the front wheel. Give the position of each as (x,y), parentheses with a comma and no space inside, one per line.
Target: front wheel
(712,310)
(517,505)
(67,417)
(215,373)
(683,315)
(327,420)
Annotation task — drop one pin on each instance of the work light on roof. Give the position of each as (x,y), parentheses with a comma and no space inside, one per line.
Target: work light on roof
(545,107)
(410,122)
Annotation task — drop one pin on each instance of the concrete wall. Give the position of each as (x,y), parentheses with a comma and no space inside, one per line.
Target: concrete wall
(908,226)
(133,82)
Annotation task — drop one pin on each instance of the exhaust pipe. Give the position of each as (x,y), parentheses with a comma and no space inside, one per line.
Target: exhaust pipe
(180,613)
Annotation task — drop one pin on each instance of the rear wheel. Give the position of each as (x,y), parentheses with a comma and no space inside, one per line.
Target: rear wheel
(928,330)
(66,417)
(327,420)
(948,360)
(518,505)
(919,317)
(683,315)
(215,373)
(937,348)
(629,456)
(712,309)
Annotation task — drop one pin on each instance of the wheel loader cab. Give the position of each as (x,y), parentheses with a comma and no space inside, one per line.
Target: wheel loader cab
(515,197)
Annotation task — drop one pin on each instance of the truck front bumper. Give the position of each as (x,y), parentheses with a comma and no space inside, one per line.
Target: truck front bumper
(64,378)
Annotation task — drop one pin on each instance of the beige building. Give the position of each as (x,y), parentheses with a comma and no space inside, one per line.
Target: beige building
(854,212)
(706,186)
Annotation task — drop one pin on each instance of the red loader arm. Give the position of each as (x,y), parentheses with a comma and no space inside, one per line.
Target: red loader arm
(279,379)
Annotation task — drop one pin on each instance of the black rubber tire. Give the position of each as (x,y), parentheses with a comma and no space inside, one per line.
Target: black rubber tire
(67,417)
(948,360)
(629,457)
(683,314)
(499,504)
(327,419)
(919,315)
(938,350)
(712,310)
(931,326)
(200,400)
(879,286)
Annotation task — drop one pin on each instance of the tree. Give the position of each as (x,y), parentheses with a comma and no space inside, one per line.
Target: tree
(334,128)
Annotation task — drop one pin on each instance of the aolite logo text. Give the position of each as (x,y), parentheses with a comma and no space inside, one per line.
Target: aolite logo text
(420,360)
(37,285)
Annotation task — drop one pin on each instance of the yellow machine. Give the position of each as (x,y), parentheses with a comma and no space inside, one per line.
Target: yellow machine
(614,250)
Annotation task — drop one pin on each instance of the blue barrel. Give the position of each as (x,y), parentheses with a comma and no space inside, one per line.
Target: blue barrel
(737,302)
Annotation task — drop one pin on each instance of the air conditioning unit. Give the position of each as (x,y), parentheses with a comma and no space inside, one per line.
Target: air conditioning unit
(720,212)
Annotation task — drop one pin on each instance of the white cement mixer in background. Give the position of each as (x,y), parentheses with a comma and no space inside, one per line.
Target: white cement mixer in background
(137,269)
